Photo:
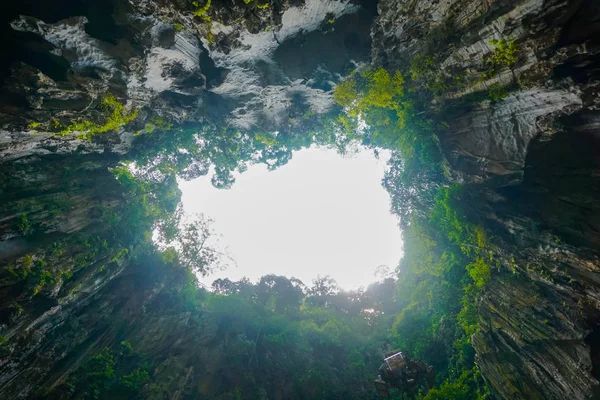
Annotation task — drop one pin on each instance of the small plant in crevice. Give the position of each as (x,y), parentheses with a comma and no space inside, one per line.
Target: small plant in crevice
(42,276)
(154,124)
(57,248)
(201,10)
(259,6)
(25,267)
(24,225)
(513,266)
(504,55)
(497,92)
(34,125)
(540,271)
(426,76)
(17,307)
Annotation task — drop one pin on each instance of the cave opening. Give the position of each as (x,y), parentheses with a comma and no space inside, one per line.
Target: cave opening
(321,214)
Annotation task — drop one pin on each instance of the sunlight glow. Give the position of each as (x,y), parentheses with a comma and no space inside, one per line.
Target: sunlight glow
(322,214)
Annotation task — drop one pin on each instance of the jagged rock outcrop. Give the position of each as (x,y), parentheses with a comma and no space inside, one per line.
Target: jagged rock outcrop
(489,139)
(234,64)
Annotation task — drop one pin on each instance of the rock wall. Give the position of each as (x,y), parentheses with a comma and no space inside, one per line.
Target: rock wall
(531,163)
(52,260)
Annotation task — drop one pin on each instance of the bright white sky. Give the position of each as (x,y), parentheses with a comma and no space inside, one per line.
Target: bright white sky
(321,214)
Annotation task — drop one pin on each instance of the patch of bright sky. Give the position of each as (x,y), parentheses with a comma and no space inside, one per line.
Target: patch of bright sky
(321,214)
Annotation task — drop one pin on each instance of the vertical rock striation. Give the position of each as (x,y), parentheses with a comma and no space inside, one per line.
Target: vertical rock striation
(530,160)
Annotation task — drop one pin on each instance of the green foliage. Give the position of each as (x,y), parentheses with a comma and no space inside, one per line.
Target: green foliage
(114,114)
(27,262)
(40,275)
(58,205)
(370,94)
(24,225)
(135,380)
(225,151)
(258,6)
(266,139)
(428,80)
(447,262)
(504,53)
(22,272)
(467,317)
(169,255)
(421,66)
(540,271)
(471,239)
(202,10)
(17,307)
(189,242)
(381,112)
(149,201)
(381,101)
(468,386)
(497,92)
(120,255)
(346,93)
(109,375)
(480,271)
(157,122)
(34,125)
(101,366)
(319,336)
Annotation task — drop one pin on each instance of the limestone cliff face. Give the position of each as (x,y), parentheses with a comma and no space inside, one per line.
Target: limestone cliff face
(531,160)
(52,261)
(486,139)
